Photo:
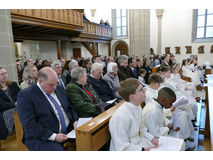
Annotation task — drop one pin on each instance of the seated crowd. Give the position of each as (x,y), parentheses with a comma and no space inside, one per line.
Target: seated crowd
(52,96)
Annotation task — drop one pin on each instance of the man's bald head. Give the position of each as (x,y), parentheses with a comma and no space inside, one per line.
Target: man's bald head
(46,73)
(48,79)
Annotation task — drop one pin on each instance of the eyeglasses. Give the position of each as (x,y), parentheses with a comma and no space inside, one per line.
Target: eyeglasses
(142,89)
(2,74)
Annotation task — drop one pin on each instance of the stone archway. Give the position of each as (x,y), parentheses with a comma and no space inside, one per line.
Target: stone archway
(120,48)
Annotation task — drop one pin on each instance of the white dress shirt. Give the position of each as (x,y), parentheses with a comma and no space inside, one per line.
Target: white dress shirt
(67,121)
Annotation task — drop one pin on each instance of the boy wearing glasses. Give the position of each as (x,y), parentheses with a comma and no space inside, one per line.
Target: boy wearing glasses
(127,132)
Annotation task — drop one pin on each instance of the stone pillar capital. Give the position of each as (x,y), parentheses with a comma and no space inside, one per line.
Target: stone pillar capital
(159,13)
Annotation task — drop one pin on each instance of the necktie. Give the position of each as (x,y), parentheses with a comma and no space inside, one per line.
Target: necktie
(61,116)
(61,82)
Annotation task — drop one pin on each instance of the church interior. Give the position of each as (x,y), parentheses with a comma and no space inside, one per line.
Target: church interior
(66,34)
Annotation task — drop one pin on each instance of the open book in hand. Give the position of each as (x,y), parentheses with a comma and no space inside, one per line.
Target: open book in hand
(170,144)
(81,121)
(180,102)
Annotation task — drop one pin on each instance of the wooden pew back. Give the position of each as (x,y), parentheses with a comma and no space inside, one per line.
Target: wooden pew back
(94,134)
(154,70)
(187,79)
(19,133)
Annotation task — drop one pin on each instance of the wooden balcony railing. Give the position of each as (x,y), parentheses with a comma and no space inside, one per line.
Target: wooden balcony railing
(97,29)
(66,16)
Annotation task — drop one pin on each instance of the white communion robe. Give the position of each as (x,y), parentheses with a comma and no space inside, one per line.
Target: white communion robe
(127,132)
(154,119)
(184,121)
(192,103)
(150,94)
(180,86)
(186,71)
(195,69)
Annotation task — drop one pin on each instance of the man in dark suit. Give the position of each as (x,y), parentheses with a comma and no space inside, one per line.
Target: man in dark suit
(132,67)
(123,72)
(100,86)
(44,114)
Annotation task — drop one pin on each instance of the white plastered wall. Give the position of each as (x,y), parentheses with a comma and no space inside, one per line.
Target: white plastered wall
(177,31)
(48,50)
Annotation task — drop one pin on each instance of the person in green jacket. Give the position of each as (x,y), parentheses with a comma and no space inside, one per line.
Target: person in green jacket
(81,95)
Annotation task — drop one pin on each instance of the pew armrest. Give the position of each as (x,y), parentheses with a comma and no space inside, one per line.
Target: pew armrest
(95,133)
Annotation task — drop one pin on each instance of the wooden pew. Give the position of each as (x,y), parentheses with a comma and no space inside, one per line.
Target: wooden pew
(188,79)
(154,70)
(208,130)
(96,135)
(19,133)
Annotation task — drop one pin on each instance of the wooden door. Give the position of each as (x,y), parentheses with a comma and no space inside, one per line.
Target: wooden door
(121,49)
(76,53)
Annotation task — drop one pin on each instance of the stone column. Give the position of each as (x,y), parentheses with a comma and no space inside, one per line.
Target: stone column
(139,22)
(159,14)
(7,53)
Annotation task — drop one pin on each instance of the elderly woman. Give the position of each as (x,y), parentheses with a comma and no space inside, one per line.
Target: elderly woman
(112,79)
(81,95)
(100,86)
(66,76)
(30,76)
(8,98)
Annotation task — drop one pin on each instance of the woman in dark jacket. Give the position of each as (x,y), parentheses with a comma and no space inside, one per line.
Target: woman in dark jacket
(81,94)
(8,98)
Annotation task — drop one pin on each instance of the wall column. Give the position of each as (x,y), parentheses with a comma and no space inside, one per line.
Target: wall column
(159,14)
(139,20)
(58,46)
(7,52)
(94,48)
(109,48)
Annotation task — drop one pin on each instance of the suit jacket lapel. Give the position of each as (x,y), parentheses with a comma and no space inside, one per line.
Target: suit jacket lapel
(39,93)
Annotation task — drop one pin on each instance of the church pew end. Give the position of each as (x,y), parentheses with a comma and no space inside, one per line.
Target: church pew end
(95,133)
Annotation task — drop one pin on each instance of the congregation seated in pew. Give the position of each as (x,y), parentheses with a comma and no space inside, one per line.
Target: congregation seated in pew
(183,119)
(45,114)
(153,118)
(8,102)
(100,86)
(125,127)
(81,94)
(112,79)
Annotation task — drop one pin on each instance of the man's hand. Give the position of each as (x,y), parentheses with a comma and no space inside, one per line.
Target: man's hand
(177,129)
(170,126)
(60,137)
(172,108)
(75,124)
(155,142)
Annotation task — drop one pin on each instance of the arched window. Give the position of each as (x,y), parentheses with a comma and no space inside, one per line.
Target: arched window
(203,25)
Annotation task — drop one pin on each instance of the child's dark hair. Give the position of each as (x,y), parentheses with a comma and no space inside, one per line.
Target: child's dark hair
(141,71)
(155,78)
(164,69)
